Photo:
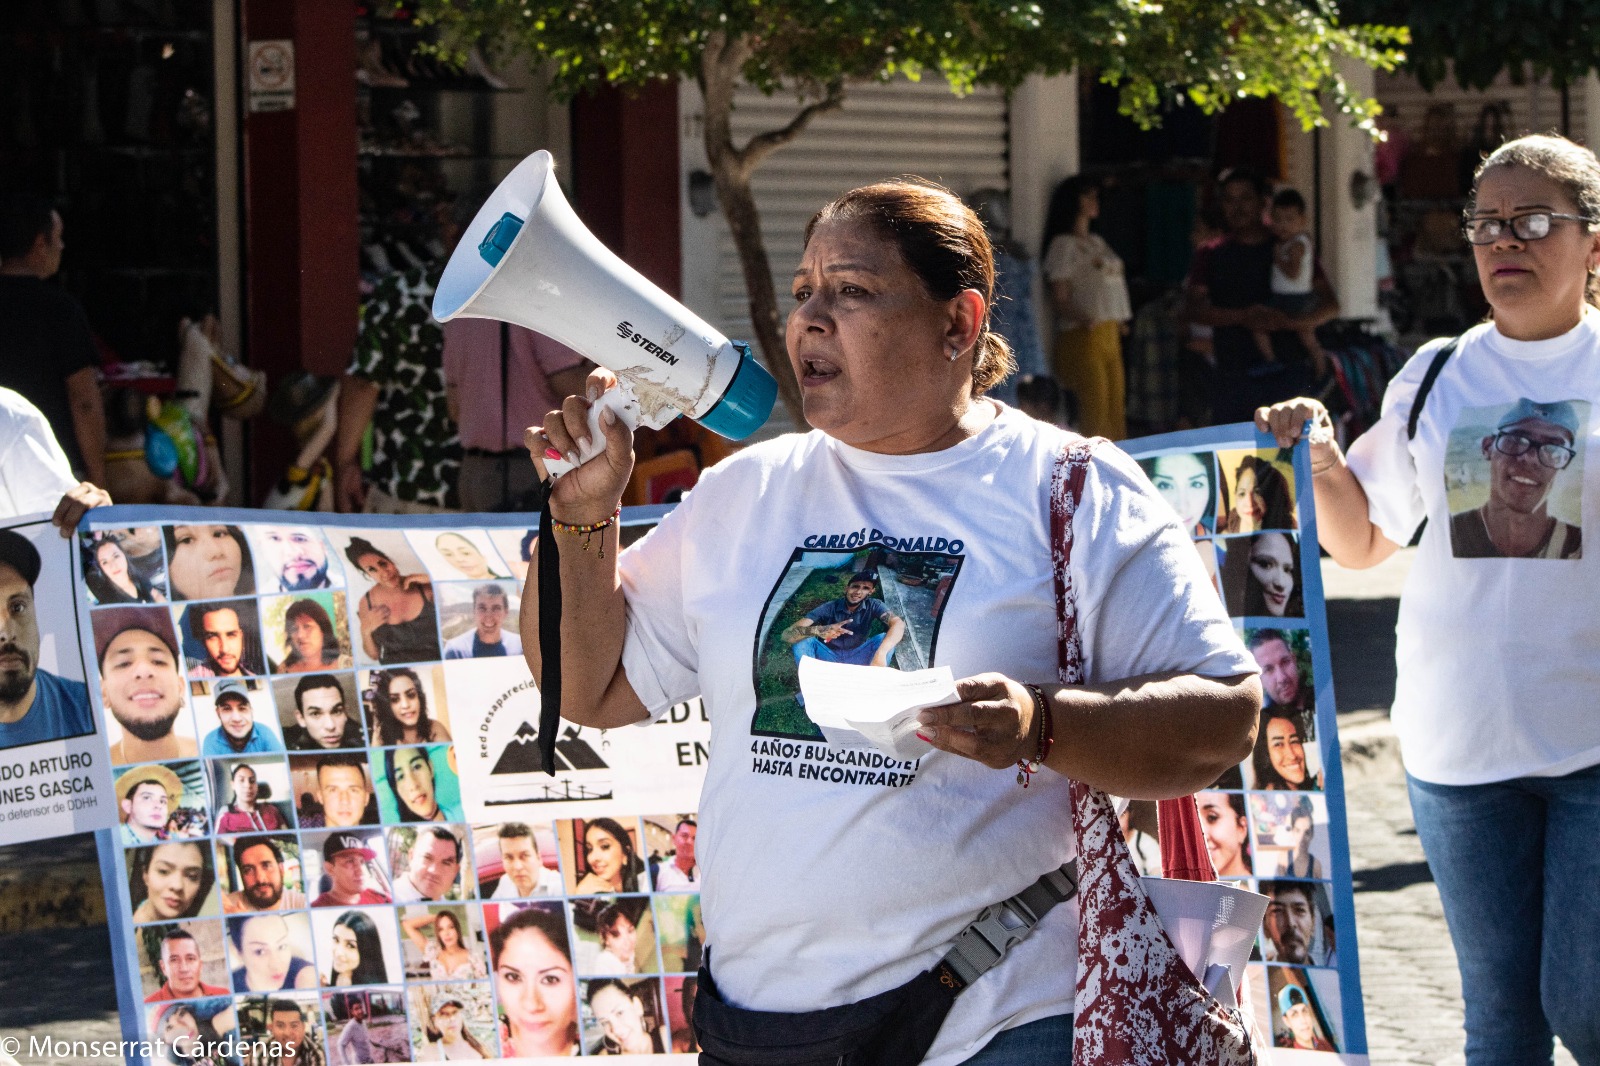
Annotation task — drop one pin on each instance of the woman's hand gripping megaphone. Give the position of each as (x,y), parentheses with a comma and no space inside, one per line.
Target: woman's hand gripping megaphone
(587,448)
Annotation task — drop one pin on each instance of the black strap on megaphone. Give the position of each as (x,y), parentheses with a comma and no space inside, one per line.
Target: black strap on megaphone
(549,636)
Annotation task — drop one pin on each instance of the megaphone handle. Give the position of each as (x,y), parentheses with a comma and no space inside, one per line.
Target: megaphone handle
(620,401)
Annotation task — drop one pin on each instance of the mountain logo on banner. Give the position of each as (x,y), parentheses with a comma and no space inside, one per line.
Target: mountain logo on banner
(521,753)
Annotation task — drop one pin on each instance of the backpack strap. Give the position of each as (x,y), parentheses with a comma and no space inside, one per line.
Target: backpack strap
(1440,357)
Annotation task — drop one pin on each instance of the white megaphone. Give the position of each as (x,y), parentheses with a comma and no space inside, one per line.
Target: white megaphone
(527,259)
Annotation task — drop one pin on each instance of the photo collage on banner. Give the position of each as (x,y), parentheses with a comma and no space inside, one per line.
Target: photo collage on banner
(283,707)
(1275,823)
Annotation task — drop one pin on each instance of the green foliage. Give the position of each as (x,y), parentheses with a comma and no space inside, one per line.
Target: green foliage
(1477,39)
(1213,51)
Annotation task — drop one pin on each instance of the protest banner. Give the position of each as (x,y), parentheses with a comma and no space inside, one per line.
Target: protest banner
(1276,823)
(345,732)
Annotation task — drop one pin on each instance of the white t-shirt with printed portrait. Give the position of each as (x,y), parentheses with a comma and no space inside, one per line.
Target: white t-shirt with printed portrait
(832,875)
(1498,658)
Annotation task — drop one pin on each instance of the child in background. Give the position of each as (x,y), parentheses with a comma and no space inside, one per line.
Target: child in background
(1041,396)
(1293,265)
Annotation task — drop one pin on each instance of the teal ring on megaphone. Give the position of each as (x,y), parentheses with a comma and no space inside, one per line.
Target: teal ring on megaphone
(744,407)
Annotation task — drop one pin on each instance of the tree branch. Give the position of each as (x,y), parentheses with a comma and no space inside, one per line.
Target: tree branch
(764,144)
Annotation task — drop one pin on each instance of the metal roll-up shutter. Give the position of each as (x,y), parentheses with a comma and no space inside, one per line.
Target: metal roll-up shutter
(882,131)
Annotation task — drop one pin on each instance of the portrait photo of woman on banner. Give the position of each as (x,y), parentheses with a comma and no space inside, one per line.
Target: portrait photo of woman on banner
(1261,576)
(533,979)
(208,562)
(394,605)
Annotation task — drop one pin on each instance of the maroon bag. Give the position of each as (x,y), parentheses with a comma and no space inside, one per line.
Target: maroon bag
(1137,1004)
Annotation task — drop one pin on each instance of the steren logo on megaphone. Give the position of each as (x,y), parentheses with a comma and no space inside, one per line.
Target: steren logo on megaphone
(626,331)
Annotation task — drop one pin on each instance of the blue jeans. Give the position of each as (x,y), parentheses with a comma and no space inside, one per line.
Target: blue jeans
(860,655)
(1046,1042)
(1518,868)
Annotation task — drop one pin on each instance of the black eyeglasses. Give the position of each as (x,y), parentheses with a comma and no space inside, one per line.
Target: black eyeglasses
(1554,456)
(1529,227)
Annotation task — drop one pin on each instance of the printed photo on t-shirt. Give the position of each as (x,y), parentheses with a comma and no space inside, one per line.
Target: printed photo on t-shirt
(1513,478)
(873,606)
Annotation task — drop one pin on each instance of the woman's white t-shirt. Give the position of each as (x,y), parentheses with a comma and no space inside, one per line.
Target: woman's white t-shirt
(1498,658)
(1097,288)
(830,874)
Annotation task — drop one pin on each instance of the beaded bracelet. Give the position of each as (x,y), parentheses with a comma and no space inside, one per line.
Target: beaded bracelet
(1026,768)
(588,530)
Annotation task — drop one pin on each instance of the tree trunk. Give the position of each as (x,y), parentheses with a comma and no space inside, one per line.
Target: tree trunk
(731,167)
(744,223)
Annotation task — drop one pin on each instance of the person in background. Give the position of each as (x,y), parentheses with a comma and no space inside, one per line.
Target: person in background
(395,385)
(1293,263)
(1230,289)
(35,474)
(515,375)
(1040,396)
(1497,657)
(1090,296)
(1012,316)
(47,351)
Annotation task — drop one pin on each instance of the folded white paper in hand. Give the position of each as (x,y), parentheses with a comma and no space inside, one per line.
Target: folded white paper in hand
(873,706)
(1212,924)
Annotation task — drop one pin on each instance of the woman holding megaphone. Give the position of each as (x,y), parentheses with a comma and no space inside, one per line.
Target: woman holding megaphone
(915,506)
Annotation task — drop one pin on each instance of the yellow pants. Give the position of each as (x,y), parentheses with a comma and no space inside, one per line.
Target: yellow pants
(1089,362)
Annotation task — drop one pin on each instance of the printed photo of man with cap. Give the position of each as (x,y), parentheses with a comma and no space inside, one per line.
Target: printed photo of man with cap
(350,864)
(141,684)
(1531,444)
(147,796)
(1298,1026)
(35,705)
(237,732)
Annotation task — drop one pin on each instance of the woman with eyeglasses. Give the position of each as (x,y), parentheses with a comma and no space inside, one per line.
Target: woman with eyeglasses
(1498,648)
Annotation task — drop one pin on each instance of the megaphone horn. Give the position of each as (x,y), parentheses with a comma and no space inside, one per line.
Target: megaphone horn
(527,259)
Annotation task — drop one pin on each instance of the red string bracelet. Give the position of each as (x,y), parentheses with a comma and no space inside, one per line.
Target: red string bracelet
(1026,768)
